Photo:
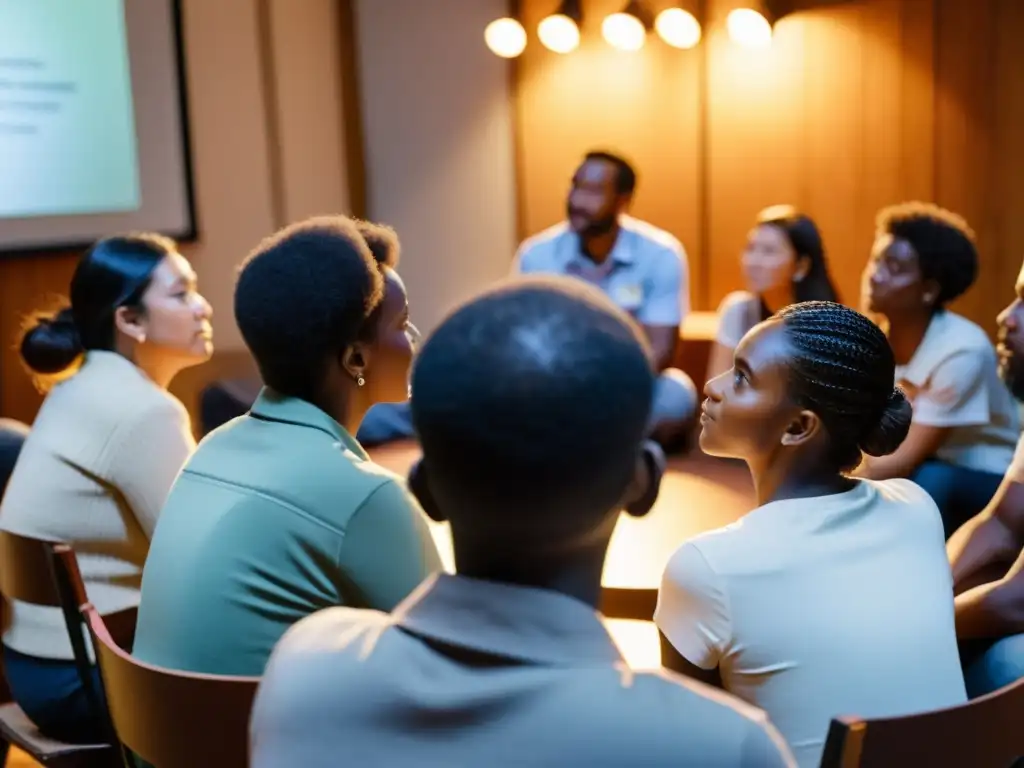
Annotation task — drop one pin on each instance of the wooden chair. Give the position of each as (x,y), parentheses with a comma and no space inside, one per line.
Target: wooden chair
(173,719)
(27,574)
(983,733)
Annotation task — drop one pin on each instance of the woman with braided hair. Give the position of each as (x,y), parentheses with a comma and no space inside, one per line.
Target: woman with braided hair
(833,595)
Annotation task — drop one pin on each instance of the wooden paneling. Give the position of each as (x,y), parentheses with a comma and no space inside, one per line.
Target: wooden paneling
(26,283)
(597,97)
(858,104)
(829,120)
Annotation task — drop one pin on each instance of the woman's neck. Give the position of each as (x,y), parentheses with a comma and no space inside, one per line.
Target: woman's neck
(906,334)
(796,480)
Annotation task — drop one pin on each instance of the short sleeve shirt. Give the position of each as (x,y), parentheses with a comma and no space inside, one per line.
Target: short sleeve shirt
(646,273)
(820,607)
(953,381)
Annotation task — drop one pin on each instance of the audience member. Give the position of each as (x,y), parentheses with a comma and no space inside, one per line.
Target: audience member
(642,268)
(281,512)
(103,451)
(986,553)
(783,263)
(834,595)
(965,422)
(531,403)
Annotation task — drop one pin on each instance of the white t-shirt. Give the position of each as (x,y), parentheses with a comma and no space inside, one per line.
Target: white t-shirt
(738,313)
(953,381)
(821,607)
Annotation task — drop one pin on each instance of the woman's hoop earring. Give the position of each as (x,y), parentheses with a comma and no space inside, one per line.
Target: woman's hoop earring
(360,381)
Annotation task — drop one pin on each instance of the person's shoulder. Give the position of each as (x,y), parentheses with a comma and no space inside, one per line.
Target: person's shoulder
(723,721)
(916,506)
(958,334)
(659,240)
(315,651)
(737,301)
(544,239)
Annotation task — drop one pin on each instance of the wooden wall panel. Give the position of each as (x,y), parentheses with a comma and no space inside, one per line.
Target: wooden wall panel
(597,97)
(857,105)
(24,282)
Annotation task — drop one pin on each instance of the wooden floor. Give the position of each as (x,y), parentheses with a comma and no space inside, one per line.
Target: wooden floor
(699,493)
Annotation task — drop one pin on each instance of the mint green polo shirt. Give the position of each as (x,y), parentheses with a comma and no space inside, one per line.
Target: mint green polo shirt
(277,514)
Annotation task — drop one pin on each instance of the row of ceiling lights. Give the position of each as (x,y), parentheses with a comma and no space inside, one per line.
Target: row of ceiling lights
(749,24)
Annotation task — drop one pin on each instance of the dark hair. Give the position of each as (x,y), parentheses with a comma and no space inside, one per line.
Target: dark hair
(383,242)
(305,294)
(804,238)
(113,273)
(943,242)
(843,370)
(534,396)
(625,179)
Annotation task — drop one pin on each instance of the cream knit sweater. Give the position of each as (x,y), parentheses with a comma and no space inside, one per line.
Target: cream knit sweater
(94,472)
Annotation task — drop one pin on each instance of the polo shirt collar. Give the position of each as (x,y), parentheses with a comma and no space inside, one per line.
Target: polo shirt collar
(623,251)
(940,340)
(271,405)
(536,626)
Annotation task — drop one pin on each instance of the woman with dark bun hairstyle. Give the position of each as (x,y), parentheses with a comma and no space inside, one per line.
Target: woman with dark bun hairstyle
(105,447)
(834,594)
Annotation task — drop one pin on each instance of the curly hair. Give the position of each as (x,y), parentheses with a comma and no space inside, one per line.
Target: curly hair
(383,241)
(303,295)
(943,241)
(843,370)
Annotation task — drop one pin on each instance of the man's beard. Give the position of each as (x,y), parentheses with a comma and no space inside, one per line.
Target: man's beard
(598,227)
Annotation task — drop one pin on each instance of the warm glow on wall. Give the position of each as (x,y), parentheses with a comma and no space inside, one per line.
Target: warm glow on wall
(679,28)
(505,37)
(749,28)
(560,32)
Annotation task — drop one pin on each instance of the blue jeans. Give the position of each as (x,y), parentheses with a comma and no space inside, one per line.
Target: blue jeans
(960,493)
(51,694)
(675,400)
(989,665)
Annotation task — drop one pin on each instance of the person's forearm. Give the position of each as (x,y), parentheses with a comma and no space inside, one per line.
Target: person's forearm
(977,546)
(990,611)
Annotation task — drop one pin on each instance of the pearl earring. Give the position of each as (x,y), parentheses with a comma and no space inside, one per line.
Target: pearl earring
(360,382)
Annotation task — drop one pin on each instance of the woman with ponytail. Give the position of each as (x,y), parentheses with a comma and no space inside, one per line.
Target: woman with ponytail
(104,449)
(833,595)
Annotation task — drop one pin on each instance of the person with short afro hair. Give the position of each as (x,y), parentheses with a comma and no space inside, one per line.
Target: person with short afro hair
(965,424)
(281,512)
(532,403)
(385,422)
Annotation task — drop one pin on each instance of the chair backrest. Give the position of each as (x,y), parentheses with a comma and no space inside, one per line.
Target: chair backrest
(984,732)
(173,719)
(26,570)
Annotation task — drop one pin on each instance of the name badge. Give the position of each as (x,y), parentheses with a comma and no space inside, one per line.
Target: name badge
(628,296)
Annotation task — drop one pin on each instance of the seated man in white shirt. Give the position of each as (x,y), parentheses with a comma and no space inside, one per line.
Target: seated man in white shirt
(834,596)
(965,421)
(642,269)
(530,458)
(987,553)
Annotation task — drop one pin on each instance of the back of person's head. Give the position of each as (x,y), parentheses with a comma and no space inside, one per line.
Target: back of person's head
(113,273)
(383,242)
(531,404)
(842,369)
(805,239)
(625,178)
(943,242)
(305,295)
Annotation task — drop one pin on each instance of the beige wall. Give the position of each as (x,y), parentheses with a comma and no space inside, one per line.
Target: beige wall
(439,152)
